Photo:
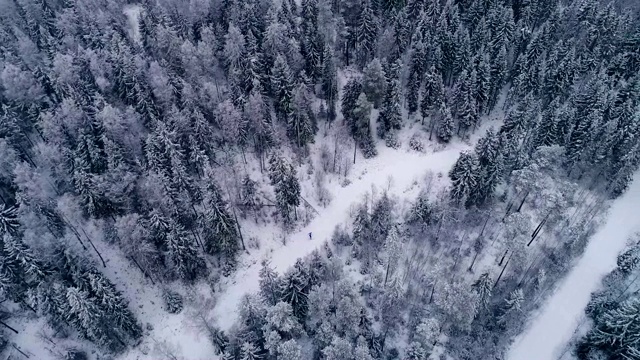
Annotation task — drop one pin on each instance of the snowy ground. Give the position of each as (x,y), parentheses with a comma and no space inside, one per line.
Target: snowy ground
(551,329)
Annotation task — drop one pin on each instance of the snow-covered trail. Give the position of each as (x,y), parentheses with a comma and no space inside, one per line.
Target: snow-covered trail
(554,325)
(405,169)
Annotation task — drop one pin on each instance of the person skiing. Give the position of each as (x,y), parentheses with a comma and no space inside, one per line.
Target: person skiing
(309,236)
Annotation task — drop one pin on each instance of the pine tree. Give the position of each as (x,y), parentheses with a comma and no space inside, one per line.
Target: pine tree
(361,127)
(111,301)
(250,352)
(350,94)
(433,93)
(482,85)
(9,220)
(512,303)
(86,317)
(618,328)
(329,82)
(234,49)
(301,124)
(269,284)
(464,176)
(183,254)
(294,289)
(282,87)
(390,115)
(283,178)
(465,102)
(374,82)
(483,287)
(25,263)
(367,33)
(547,130)
(445,126)
(413,92)
(393,247)
(221,234)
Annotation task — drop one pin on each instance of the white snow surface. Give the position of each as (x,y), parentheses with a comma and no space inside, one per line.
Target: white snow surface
(391,171)
(549,332)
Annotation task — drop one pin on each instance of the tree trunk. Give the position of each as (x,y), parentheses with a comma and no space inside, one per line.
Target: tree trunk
(144,272)
(20,351)
(335,154)
(501,272)
(503,256)
(8,327)
(198,241)
(473,261)
(433,125)
(94,247)
(238,226)
(355,147)
(536,232)
(523,200)
(485,225)
(433,289)
(509,206)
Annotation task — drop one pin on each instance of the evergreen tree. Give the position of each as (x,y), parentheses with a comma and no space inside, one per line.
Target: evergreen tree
(361,127)
(483,287)
(374,82)
(367,33)
(433,93)
(482,84)
(250,352)
(445,126)
(464,176)
(465,102)
(413,92)
(282,87)
(391,114)
(221,234)
(617,329)
(183,254)
(294,290)
(8,220)
(283,178)
(350,94)
(512,303)
(329,82)
(301,124)
(269,284)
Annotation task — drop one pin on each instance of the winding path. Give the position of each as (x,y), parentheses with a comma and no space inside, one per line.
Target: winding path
(553,327)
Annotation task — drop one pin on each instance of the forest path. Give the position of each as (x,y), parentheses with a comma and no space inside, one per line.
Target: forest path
(554,325)
(406,170)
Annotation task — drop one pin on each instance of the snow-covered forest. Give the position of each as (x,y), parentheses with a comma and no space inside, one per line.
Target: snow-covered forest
(314,179)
